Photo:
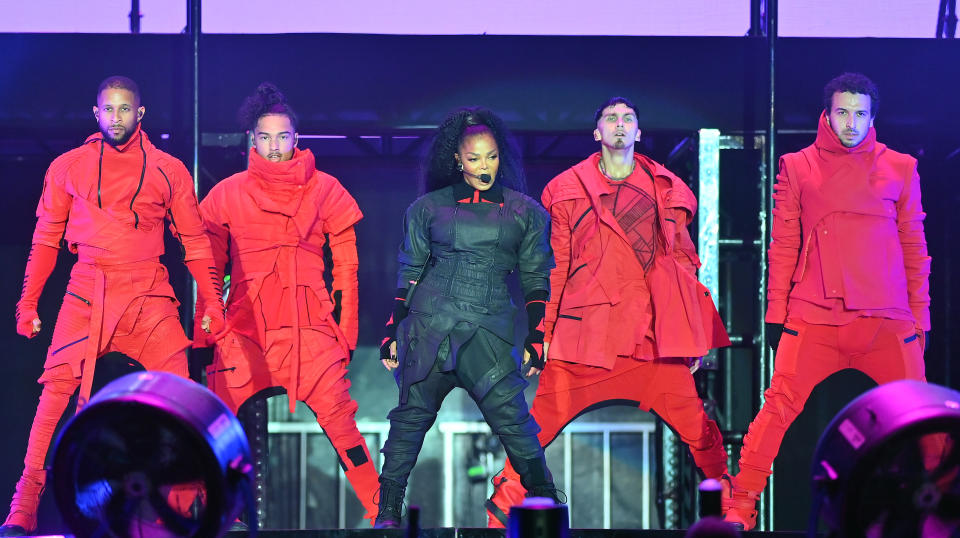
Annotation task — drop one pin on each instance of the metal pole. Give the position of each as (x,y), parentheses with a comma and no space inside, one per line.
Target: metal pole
(947,19)
(757,23)
(135,16)
(951,18)
(941,14)
(193,30)
(766,503)
(193,24)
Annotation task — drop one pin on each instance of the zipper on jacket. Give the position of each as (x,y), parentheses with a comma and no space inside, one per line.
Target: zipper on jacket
(78,297)
(68,345)
(589,209)
(575,271)
(100,175)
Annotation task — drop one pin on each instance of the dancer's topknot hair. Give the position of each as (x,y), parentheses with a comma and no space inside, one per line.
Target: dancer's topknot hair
(267,99)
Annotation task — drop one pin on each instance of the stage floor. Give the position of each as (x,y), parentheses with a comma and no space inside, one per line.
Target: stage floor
(453,532)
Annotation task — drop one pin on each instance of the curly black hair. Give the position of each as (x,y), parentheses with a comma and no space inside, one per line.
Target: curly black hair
(439,168)
(852,83)
(267,99)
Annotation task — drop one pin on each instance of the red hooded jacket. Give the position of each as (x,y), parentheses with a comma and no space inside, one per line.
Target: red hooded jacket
(270,223)
(594,314)
(847,238)
(109,204)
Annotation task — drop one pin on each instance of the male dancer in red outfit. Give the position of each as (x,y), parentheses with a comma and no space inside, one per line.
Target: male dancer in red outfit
(627,311)
(284,329)
(848,284)
(107,201)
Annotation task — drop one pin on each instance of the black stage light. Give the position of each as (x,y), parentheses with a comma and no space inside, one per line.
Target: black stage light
(152,455)
(538,517)
(889,464)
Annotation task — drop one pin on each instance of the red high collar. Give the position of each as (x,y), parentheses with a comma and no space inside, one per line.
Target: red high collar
(297,171)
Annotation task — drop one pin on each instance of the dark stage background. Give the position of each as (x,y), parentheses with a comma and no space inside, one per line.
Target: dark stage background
(395,88)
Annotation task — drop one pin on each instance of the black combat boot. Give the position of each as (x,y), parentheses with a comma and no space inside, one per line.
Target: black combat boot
(391,504)
(537,480)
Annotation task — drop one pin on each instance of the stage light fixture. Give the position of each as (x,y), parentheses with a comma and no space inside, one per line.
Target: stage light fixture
(889,464)
(152,455)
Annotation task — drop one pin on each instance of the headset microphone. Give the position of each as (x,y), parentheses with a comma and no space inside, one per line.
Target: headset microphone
(485,178)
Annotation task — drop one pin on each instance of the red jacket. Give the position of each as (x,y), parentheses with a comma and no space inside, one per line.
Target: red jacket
(116,199)
(847,236)
(270,223)
(602,305)
(109,204)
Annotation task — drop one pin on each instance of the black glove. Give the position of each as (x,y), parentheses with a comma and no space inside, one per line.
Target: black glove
(774,332)
(533,344)
(337,306)
(400,312)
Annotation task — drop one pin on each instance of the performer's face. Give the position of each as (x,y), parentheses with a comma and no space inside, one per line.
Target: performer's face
(479,155)
(274,137)
(118,113)
(617,128)
(850,117)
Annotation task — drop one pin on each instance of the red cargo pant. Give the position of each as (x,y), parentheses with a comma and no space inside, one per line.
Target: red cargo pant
(241,370)
(884,349)
(664,386)
(149,331)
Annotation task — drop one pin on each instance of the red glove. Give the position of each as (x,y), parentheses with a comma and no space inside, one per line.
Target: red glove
(40,264)
(209,291)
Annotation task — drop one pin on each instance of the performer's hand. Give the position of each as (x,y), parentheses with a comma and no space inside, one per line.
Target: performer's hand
(212,321)
(774,332)
(388,354)
(391,361)
(533,352)
(534,349)
(30,325)
(29,329)
(694,363)
(388,346)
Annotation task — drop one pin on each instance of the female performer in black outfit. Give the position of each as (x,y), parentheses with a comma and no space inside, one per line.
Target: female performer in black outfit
(453,317)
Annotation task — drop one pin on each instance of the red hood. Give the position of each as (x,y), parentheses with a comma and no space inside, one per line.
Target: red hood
(280,187)
(828,141)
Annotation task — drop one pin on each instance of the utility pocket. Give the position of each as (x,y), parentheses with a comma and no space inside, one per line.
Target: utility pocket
(231,364)
(788,350)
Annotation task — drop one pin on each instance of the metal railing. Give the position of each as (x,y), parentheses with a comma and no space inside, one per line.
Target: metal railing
(449,430)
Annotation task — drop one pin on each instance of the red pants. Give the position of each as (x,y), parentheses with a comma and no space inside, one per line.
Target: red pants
(664,386)
(884,349)
(241,370)
(149,331)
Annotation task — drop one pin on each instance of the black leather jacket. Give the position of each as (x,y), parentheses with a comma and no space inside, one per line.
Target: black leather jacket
(468,250)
